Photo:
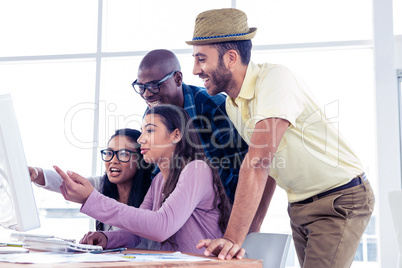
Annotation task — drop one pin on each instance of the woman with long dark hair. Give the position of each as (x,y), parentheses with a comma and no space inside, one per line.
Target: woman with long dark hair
(185,203)
(127,176)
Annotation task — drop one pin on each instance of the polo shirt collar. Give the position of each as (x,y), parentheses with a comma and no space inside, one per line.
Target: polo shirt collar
(247,88)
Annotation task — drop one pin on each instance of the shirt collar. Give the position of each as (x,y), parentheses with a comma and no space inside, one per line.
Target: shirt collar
(247,88)
(246,91)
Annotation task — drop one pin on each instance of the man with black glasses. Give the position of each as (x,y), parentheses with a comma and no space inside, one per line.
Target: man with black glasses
(160,81)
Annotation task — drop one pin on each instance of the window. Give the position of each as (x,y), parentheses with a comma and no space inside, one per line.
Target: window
(292,21)
(47,27)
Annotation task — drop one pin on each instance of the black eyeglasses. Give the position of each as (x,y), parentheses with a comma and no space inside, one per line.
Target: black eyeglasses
(123,155)
(153,86)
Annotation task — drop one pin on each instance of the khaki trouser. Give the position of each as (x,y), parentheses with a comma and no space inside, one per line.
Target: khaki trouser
(327,231)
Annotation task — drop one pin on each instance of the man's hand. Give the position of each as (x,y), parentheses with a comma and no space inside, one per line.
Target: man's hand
(222,246)
(74,188)
(95,238)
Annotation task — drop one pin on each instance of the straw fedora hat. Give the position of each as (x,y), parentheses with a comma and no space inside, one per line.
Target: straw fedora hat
(221,25)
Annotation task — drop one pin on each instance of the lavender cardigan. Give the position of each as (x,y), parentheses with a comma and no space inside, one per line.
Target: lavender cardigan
(187,213)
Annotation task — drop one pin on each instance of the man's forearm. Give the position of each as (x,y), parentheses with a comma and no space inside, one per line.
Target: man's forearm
(270,187)
(249,192)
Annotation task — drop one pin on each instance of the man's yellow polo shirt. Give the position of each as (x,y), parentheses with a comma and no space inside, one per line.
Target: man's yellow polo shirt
(312,156)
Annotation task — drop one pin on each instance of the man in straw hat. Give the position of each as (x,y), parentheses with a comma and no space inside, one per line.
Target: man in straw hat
(291,142)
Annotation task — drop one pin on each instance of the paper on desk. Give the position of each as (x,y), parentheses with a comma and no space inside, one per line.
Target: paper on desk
(51,257)
(162,257)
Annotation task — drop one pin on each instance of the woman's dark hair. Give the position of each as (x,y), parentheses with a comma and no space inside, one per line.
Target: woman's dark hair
(189,148)
(141,179)
(242,47)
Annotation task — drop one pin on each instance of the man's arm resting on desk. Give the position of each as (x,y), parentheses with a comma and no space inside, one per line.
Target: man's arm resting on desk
(254,174)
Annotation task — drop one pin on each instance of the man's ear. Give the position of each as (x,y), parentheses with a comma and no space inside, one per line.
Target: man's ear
(231,58)
(178,78)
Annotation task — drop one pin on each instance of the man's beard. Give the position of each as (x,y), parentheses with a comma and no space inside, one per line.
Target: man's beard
(221,78)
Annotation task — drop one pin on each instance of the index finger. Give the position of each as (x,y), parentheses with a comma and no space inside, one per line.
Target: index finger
(203,243)
(63,175)
(222,248)
(214,246)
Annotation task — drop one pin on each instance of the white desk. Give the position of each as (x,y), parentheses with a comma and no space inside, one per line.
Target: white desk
(215,263)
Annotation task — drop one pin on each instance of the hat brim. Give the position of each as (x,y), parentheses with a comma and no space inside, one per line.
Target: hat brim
(213,40)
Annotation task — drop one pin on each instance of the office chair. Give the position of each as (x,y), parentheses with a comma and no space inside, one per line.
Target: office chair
(395,201)
(271,248)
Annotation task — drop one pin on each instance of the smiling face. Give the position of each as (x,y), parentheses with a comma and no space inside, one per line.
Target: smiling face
(120,172)
(170,92)
(157,144)
(156,65)
(211,69)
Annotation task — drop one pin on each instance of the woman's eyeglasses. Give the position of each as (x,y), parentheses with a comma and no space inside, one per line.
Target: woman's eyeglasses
(122,155)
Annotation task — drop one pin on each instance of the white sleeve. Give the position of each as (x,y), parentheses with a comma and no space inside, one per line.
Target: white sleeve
(53,181)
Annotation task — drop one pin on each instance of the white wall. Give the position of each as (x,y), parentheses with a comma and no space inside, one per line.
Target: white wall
(387,122)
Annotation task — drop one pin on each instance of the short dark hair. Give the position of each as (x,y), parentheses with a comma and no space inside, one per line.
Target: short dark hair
(242,47)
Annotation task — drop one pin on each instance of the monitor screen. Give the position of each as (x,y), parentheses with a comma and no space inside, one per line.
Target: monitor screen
(18,209)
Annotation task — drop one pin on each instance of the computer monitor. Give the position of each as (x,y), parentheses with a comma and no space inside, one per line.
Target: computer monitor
(18,209)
